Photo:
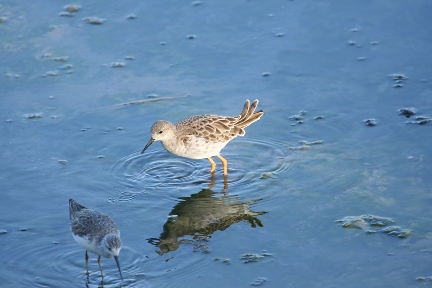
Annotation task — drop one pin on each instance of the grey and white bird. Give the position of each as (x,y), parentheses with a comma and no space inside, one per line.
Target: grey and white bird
(96,232)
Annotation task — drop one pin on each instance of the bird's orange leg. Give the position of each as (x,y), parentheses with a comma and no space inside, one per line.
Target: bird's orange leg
(224,164)
(213,165)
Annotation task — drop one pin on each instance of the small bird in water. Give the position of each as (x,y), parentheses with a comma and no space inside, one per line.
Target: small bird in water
(204,136)
(95,232)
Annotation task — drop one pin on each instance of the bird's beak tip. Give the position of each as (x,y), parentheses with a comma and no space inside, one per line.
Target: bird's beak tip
(148,144)
(118,265)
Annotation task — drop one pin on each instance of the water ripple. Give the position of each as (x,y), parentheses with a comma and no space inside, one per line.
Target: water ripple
(64,262)
(249,162)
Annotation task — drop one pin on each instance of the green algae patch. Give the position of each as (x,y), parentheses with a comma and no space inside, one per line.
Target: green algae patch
(373,224)
(253,257)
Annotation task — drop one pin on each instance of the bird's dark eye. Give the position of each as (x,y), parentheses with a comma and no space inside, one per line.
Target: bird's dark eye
(160,132)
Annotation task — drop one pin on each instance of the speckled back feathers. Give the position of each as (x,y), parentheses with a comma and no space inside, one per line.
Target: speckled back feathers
(216,128)
(89,222)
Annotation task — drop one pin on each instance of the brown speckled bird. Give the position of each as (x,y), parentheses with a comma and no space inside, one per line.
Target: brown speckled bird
(203,136)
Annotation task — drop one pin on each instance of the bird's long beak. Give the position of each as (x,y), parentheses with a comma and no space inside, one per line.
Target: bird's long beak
(118,265)
(148,144)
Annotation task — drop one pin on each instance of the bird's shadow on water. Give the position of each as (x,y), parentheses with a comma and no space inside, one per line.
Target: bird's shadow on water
(102,284)
(212,182)
(199,216)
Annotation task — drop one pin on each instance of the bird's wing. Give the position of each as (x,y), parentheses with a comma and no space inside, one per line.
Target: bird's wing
(211,127)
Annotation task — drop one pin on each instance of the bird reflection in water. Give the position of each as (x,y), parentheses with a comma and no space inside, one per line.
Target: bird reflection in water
(202,214)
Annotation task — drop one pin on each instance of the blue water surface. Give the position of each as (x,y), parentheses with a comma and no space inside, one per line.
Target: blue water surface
(77,104)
